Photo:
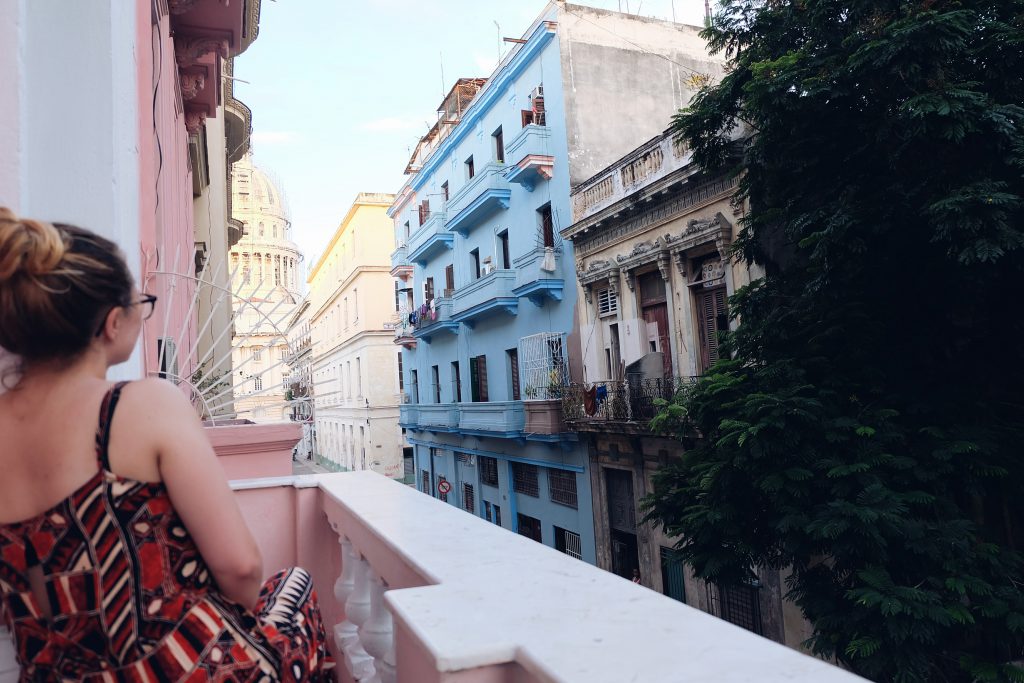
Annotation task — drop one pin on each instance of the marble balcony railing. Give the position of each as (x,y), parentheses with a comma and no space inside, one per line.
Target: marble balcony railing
(418,591)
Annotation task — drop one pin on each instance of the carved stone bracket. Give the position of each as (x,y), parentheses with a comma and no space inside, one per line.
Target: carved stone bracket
(192,81)
(663,265)
(194,120)
(189,50)
(181,6)
(680,260)
(630,280)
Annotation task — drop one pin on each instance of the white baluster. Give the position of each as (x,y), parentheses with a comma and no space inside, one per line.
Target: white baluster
(377,634)
(357,611)
(347,632)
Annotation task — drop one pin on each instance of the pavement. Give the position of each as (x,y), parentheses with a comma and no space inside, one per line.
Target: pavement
(308,467)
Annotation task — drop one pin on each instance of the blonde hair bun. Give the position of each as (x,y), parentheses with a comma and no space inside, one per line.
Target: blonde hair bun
(28,246)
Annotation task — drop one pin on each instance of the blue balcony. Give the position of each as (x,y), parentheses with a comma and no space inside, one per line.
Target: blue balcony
(439,417)
(490,295)
(430,239)
(531,157)
(400,266)
(441,321)
(538,276)
(408,416)
(492,418)
(486,193)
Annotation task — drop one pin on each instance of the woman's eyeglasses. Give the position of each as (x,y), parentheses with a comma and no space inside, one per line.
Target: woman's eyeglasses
(148,303)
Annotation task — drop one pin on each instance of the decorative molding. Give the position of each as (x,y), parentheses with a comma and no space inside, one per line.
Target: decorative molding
(680,205)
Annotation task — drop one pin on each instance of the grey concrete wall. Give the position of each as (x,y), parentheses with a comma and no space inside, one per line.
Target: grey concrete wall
(623,78)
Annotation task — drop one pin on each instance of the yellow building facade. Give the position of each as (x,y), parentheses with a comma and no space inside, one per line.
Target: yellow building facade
(355,364)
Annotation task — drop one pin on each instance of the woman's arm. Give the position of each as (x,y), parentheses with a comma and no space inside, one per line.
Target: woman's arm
(199,490)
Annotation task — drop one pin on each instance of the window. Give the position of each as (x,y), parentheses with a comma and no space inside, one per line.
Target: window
(547,225)
(415,386)
(449,279)
(348,378)
(513,373)
(505,262)
(464,458)
(262,231)
(738,605)
(442,496)
(672,577)
(470,168)
(497,514)
(568,542)
(478,379)
(529,527)
(712,318)
(562,485)
(423,211)
(398,295)
(428,290)
(607,302)
(407,231)
(499,145)
(355,305)
(444,189)
(488,470)
(436,381)
(167,354)
(425,482)
(344,309)
(468,502)
(474,264)
(359,376)
(487,510)
(401,380)
(257,354)
(524,479)
(456,382)
(257,383)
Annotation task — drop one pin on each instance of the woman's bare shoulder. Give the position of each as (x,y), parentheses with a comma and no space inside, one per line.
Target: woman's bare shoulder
(157,399)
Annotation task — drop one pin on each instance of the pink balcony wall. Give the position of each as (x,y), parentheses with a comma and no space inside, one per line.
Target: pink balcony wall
(250,451)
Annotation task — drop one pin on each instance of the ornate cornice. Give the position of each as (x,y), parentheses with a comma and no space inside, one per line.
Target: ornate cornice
(192,81)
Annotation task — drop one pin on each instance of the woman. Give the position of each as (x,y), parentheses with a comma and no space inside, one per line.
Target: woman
(123,555)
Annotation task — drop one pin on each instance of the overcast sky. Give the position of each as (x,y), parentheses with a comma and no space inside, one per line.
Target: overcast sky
(341,90)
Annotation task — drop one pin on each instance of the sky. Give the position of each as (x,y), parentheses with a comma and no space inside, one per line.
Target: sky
(341,90)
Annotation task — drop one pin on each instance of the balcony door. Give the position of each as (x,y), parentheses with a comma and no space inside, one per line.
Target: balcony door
(654,309)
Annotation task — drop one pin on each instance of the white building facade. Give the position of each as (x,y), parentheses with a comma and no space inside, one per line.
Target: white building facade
(267,268)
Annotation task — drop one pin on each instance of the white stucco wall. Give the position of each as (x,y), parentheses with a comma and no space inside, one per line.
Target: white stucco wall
(69,120)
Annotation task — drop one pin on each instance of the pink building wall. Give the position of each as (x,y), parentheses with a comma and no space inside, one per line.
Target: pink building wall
(165,223)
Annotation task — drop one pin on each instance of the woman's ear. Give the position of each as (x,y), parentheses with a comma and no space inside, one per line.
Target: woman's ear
(113,322)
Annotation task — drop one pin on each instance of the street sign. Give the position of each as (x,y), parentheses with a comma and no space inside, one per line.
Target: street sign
(443,487)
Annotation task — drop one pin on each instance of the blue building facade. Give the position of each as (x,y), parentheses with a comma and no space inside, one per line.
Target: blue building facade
(486,297)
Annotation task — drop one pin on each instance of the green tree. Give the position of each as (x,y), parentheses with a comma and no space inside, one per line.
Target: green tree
(865,425)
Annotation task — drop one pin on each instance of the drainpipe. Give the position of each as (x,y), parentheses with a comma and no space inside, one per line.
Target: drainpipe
(513,513)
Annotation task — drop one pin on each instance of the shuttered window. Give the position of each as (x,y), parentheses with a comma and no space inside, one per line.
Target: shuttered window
(513,368)
(562,485)
(524,479)
(426,482)
(488,470)
(713,314)
(607,302)
(468,500)
(478,378)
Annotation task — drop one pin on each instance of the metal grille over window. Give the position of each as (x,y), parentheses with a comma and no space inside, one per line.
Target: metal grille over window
(488,470)
(524,479)
(563,487)
(607,302)
(543,367)
(468,500)
(568,542)
(737,604)
(426,482)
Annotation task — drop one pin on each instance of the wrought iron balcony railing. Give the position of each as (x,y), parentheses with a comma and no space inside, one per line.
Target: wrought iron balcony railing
(619,400)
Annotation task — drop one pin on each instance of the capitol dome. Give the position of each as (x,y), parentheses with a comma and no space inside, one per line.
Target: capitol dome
(266,262)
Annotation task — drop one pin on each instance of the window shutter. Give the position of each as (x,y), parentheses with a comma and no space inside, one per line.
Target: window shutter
(474,389)
(513,357)
(713,314)
(482,376)
(449,279)
(607,302)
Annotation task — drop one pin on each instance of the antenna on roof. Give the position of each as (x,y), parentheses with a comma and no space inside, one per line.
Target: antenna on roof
(441,56)
(498,26)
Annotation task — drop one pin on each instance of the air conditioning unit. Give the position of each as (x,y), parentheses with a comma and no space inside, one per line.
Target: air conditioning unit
(537,92)
(471,461)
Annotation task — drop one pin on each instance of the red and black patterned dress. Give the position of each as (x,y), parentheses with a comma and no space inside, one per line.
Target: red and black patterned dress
(131,599)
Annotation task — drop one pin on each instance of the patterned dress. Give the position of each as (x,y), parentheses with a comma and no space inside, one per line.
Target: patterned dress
(130,598)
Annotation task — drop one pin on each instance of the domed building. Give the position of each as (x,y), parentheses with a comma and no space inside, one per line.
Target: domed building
(266,266)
